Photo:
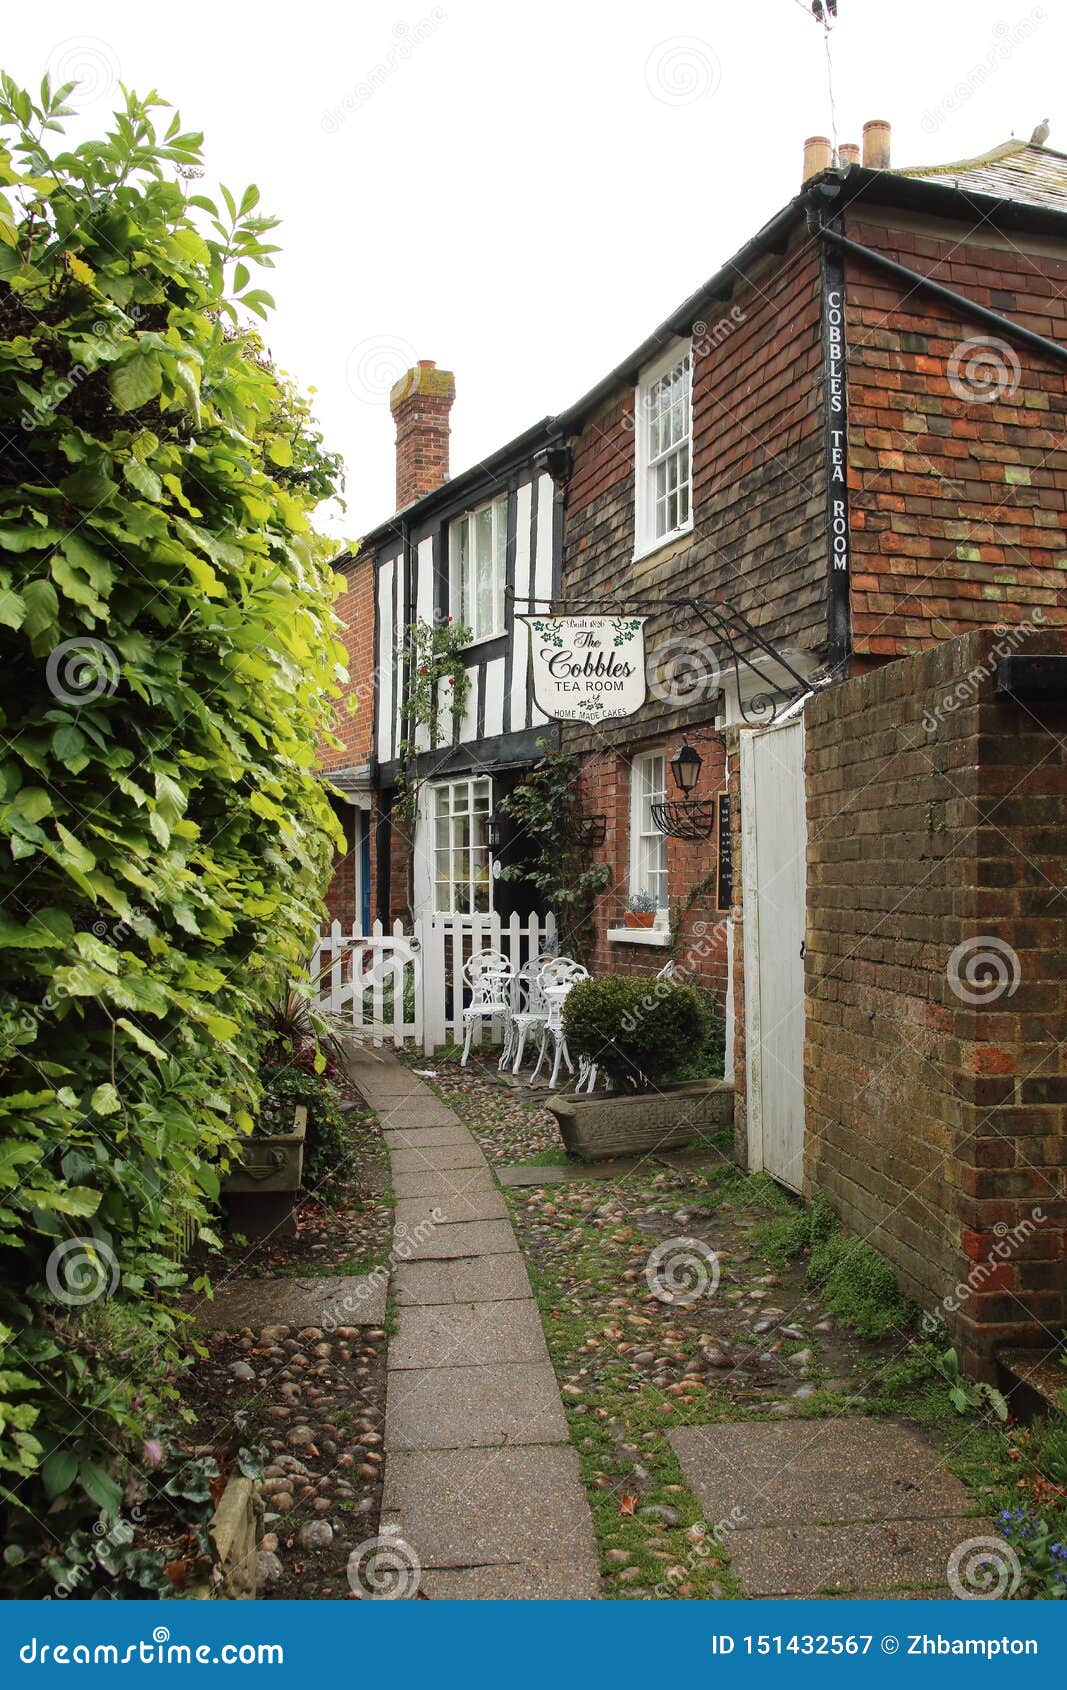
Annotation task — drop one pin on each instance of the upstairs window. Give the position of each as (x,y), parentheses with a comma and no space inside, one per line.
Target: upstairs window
(664,426)
(478,544)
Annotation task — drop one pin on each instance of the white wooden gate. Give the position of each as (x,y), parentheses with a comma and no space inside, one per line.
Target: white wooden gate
(407,983)
(773,857)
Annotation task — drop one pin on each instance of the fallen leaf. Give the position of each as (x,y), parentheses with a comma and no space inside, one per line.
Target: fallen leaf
(628,1504)
(177,1572)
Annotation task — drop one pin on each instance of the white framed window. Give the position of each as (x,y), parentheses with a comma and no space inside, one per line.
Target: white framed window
(648,846)
(462,883)
(478,543)
(663,412)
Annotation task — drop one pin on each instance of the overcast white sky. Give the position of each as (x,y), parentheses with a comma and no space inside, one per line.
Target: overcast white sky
(524,192)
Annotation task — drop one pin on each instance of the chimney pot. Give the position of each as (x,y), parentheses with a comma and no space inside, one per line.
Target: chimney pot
(876,144)
(850,154)
(818,156)
(420,402)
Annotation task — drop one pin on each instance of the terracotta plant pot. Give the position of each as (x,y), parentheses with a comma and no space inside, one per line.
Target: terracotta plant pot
(596,1125)
(640,918)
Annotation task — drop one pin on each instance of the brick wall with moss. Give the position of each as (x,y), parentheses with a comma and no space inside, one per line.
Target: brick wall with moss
(936,979)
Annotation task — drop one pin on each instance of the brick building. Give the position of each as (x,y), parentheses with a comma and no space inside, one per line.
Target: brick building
(876,462)
(476,550)
(843,450)
(347,770)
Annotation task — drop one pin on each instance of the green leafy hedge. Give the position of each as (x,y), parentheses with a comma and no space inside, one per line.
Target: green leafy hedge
(642,1033)
(168,652)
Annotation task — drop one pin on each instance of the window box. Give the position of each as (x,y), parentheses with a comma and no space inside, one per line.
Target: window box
(638,936)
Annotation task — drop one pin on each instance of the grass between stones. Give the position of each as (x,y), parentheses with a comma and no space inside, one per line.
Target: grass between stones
(651,1535)
(804,1322)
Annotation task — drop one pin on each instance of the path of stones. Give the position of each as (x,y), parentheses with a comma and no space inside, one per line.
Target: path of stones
(482,1496)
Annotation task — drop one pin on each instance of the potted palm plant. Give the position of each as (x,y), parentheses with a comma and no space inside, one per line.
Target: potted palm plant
(303,1041)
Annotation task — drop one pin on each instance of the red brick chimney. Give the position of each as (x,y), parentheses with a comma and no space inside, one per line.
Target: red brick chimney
(420,402)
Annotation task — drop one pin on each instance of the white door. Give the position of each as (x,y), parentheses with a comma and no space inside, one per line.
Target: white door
(774,852)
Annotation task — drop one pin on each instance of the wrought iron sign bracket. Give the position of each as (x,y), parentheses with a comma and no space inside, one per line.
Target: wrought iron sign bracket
(742,648)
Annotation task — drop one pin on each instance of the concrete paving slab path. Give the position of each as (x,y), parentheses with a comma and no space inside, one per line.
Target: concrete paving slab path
(445,1208)
(480,1478)
(462,1238)
(440,1158)
(474,1509)
(430,1182)
(815,1507)
(468,1279)
(285,1301)
(481,1333)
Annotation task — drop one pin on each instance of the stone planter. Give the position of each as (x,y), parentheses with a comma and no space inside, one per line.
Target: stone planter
(236,1528)
(595,1126)
(260,1188)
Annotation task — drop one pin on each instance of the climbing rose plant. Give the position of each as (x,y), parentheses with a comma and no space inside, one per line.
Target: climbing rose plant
(168,660)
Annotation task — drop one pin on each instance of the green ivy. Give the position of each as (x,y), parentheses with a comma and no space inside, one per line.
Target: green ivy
(169,661)
(546,810)
(437,677)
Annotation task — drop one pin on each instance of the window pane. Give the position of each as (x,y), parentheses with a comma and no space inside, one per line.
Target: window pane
(461,864)
(461,605)
(500,560)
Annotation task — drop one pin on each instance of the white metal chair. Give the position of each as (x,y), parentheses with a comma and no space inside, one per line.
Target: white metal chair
(529,1012)
(555,980)
(489,975)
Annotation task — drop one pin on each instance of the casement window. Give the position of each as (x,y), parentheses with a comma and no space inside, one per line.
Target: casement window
(663,448)
(648,846)
(462,884)
(478,568)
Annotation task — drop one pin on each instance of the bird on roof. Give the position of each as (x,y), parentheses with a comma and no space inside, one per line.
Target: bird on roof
(1040,134)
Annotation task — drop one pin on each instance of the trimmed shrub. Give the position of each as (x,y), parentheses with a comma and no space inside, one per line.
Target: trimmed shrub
(642,1033)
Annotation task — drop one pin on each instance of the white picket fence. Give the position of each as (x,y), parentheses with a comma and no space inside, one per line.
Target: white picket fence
(408,983)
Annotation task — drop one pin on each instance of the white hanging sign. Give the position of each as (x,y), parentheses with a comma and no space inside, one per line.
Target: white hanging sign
(587,668)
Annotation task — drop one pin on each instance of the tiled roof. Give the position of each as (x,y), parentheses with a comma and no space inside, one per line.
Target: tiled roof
(1016,170)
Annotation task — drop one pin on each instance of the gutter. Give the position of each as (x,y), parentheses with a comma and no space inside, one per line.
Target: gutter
(847,188)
